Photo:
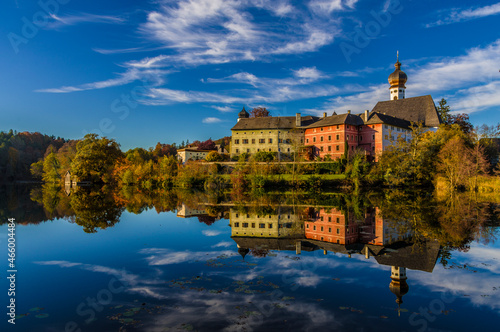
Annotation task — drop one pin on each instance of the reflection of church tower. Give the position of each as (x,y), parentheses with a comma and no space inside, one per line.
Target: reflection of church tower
(397,81)
(243,251)
(398,284)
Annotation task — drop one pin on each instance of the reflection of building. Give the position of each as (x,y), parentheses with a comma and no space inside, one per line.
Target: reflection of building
(342,227)
(339,231)
(185,211)
(281,222)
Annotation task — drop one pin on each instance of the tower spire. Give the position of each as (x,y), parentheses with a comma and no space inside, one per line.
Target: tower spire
(397,81)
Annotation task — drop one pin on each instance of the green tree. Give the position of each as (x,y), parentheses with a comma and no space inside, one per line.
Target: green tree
(444,110)
(51,168)
(95,158)
(213,156)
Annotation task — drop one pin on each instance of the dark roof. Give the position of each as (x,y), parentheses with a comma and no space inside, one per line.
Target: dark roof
(272,122)
(243,113)
(345,118)
(416,109)
(376,118)
(416,257)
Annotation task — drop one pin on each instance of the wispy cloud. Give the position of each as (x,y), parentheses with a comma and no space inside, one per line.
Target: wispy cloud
(151,77)
(461,15)
(473,76)
(211,232)
(67,20)
(224,109)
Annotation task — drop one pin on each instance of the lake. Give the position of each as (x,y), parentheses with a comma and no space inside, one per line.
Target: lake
(127,260)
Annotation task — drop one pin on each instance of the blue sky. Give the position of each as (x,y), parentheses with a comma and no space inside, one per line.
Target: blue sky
(164,70)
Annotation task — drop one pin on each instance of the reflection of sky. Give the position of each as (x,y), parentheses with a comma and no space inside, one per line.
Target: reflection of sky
(146,252)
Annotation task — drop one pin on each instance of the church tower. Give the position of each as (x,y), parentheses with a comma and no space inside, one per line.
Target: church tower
(243,114)
(398,284)
(397,81)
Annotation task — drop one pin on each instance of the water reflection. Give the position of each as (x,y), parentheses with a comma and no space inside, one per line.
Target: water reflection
(338,231)
(327,255)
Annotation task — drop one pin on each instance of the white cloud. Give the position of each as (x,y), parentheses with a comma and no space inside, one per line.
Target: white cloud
(161,256)
(224,109)
(151,77)
(457,15)
(211,232)
(59,21)
(224,244)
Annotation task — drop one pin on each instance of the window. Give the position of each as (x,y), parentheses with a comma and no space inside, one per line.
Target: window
(385,126)
(322,228)
(338,137)
(307,140)
(321,149)
(253,225)
(347,126)
(280,140)
(329,138)
(338,127)
(270,141)
(321,218)
(329,229)
(262,140)
(236,224)
(248,150)
(269,225)
(321,129)
(245,225)
(237,151)
(269,149)
(236,215)
(245,141)
(329,219)
(361,138)
(314,139)
(321,138)
(236,141)
(253,140)
(314,227)
(338,231)
(262,225)
(338,220)
(373,137)
(307,226)
(337,148)
(329,148)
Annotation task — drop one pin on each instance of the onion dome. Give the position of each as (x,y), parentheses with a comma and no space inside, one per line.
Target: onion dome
(243,114)
(398,77)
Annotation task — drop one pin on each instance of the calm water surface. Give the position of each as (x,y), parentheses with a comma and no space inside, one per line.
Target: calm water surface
(185,263)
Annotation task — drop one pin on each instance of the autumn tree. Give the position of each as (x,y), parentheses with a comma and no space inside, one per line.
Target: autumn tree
(51,166)
(95,158)
(259,112)
(207,145)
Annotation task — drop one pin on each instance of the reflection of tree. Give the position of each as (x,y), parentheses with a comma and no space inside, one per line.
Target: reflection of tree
(95,209)
(206,220)
(256,252)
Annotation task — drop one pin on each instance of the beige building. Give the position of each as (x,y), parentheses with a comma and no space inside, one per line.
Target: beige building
(281,135)
(282,223)
(186,154)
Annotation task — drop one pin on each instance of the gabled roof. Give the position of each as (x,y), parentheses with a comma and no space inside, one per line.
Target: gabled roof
(272,122)
(416,109)
(421,257)
(345,118)
(376,118)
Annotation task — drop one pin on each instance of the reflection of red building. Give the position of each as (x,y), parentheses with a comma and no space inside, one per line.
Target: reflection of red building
(337,226)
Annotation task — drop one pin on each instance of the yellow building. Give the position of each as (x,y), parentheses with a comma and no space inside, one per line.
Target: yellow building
(281,134)
(281,223)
